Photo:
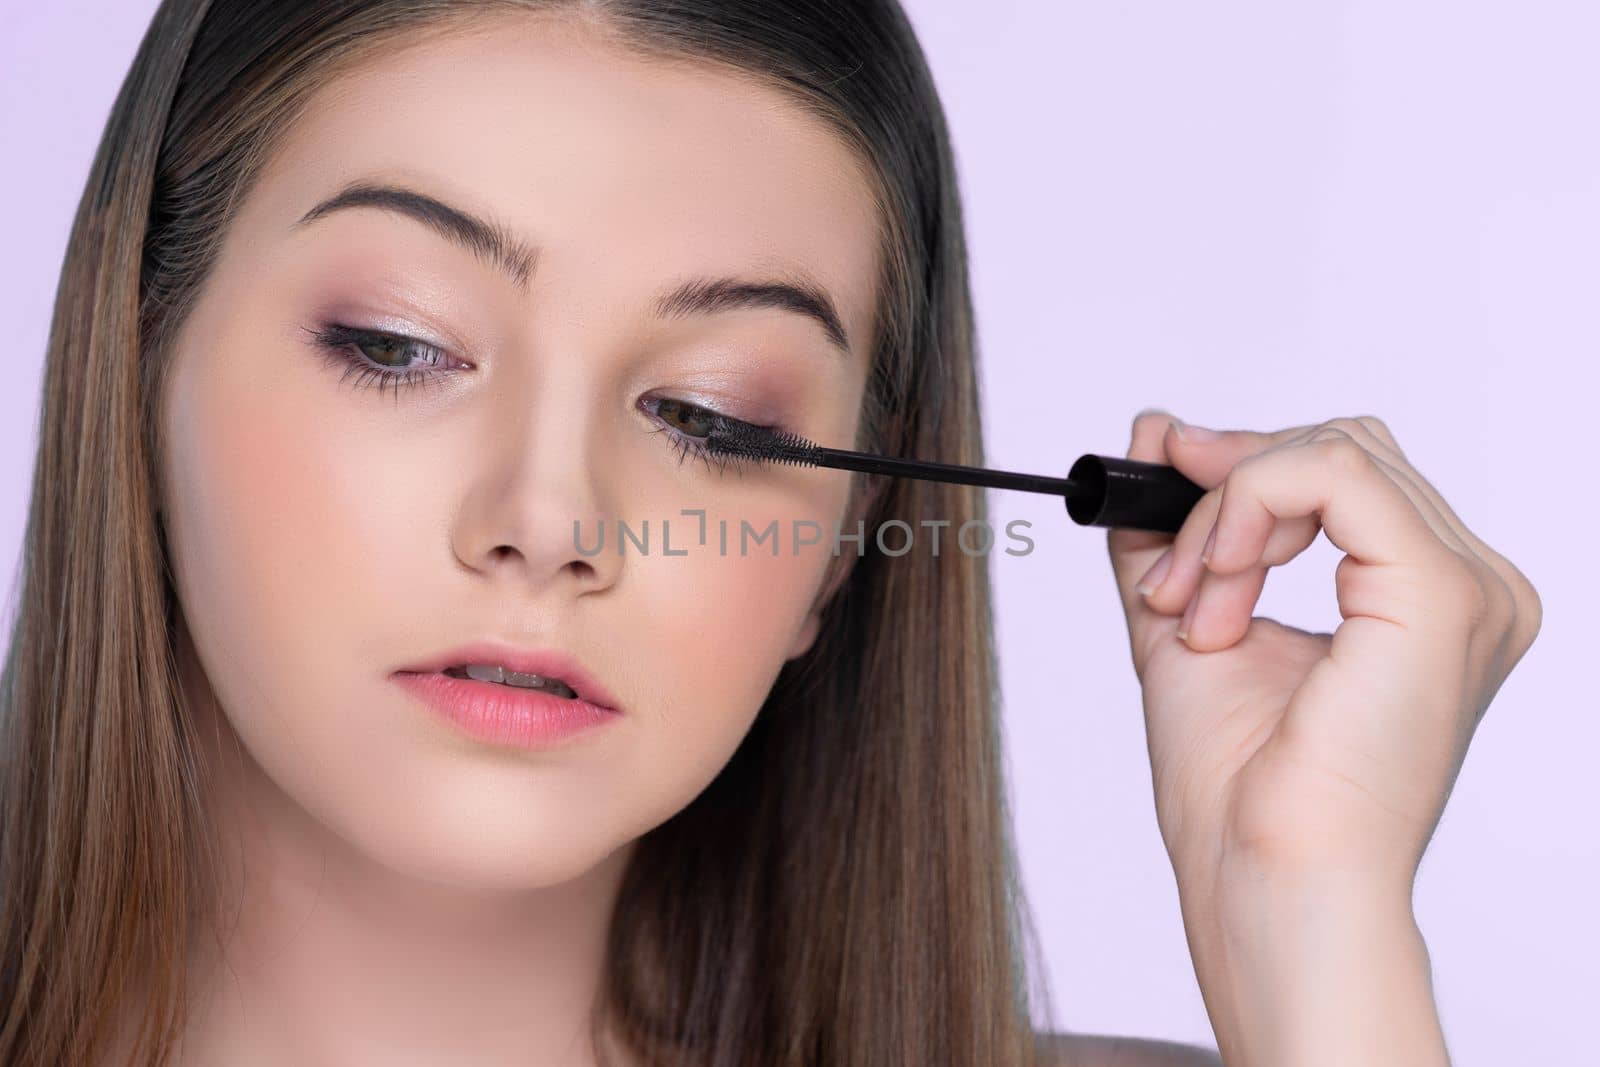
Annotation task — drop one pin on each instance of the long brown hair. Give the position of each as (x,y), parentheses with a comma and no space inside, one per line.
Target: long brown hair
(845,890)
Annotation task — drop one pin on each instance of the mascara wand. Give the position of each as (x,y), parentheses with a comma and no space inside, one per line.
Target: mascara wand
(1099,490)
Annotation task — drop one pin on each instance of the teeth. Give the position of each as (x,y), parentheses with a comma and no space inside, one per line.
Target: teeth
(486,673)
(534,681)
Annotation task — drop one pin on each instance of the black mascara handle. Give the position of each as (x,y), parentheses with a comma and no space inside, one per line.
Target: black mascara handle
(1113,492)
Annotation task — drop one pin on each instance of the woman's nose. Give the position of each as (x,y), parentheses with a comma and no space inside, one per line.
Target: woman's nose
(535,494)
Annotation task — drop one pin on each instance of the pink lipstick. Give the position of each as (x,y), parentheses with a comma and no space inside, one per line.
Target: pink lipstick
(503,695)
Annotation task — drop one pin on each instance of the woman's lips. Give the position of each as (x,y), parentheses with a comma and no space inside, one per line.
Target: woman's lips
(502,714)
(545,662)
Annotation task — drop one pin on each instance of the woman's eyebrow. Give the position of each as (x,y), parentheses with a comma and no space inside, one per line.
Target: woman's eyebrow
(485,239)
(516,259)
(705,296)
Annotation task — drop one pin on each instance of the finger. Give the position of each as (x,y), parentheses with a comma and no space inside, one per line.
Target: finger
(1133,551)
(1219,613)
(1377,438)
(1364,511)
(1400,660)
(1371,434)
(1205,458)
(1511,605)
(1505,584)
(1190,566)
(1228,595)
(1223,598)
(1159,437)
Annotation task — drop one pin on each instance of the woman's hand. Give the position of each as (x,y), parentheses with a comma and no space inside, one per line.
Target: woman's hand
(1292,767)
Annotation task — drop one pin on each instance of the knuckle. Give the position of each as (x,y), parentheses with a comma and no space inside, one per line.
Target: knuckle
(1326,429)
(1343,450)
(1502,604)
(1533,618)
(1467,595)
(1524,610)
(1362,427)
(1240,475)
(1528,609)
(1376,427)
(1243,482)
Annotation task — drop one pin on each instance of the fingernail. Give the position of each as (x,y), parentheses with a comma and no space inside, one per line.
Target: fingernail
(1148,411)
(1156,574)
(1211,542)
(1188,617)
(1191,432)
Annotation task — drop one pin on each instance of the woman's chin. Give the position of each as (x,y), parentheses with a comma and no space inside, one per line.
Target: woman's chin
(489,853)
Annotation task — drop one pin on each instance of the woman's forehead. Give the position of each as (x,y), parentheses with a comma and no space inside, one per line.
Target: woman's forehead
(592,153)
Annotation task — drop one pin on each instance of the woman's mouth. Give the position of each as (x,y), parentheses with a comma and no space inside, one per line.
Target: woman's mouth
(506,695)
(502,665)
(502,708)
(482,672)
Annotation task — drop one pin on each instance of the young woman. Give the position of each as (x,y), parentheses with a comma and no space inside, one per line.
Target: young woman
(376,316)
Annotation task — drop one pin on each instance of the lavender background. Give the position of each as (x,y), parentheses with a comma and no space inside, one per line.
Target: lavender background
(1254,214)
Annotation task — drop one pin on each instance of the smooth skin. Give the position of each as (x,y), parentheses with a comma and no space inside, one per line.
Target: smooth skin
(397,891)
(1299,776)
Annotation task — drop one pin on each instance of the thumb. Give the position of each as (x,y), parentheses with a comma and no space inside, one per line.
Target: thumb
(1133,552)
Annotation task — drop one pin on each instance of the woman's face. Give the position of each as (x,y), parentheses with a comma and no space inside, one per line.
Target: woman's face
(330,527)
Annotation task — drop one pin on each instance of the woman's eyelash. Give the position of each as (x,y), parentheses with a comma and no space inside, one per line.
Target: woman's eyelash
(343,346)
(705,420)
(688,448)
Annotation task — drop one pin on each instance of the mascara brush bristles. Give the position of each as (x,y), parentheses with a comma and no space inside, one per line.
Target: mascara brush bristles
(765,445)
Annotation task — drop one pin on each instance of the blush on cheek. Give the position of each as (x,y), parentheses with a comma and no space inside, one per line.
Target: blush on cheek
(267,528)
(283,551)
(738,614)
(267,489)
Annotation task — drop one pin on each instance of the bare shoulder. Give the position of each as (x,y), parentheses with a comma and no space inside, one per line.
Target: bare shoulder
(1105,1050)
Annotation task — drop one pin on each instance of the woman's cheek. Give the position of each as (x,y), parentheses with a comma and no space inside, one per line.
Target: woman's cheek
(712,634)
(282,539)
(731,610)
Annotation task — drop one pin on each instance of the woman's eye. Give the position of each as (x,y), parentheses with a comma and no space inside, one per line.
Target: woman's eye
(381,359)
(689,427)
(386,351)
(687,418)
